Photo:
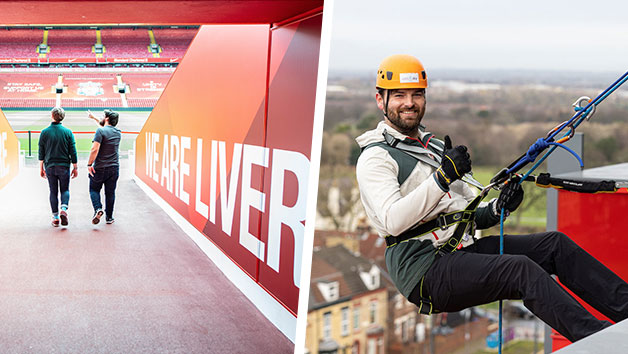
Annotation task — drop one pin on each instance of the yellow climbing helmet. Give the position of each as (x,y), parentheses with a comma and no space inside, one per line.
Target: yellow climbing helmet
(401,72)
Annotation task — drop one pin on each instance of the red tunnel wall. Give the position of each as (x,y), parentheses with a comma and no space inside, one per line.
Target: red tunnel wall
(246,93)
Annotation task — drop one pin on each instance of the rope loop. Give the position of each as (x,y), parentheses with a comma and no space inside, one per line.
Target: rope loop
(536,149)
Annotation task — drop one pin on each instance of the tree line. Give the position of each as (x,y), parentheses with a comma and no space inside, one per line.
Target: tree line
(497,124)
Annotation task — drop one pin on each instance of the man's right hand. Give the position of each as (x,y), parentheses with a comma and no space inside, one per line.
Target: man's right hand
(91,116)
(455,163)
(42,173)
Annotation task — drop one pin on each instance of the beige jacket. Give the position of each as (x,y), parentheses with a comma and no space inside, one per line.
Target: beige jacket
(394,208)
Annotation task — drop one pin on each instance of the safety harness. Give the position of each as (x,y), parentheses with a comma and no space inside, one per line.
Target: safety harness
(428,150)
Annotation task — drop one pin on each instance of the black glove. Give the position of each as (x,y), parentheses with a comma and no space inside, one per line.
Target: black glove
(510,197)
(455,163)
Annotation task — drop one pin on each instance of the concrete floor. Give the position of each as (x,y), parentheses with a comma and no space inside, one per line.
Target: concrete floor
(139,285)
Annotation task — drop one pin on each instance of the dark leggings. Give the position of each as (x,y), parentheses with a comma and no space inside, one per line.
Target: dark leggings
(59,184)
(477,274)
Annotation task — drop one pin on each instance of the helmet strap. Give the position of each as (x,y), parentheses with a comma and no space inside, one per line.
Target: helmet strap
(386,103)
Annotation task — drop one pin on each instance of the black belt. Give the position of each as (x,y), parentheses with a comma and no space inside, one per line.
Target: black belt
(442,222)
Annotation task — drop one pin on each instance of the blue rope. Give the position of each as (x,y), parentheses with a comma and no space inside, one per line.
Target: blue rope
(601,97)
(538,147)
(538,163)
(570,151)
(531,155)
(551,150)
(542,143)
(501,251)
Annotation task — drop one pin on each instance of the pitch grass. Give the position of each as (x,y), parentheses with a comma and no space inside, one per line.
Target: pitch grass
(83,141)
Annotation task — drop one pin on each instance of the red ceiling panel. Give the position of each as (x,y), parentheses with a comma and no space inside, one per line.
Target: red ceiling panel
(152,12)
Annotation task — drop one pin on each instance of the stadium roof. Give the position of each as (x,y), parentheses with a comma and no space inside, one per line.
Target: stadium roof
(34,12)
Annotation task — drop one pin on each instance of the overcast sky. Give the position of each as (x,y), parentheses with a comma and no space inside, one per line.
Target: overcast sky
(482,34)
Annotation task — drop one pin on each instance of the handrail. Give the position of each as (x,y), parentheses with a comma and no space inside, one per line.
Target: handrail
(39,131)
(29,132)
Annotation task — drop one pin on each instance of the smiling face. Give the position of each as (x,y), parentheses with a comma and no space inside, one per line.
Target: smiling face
(405,110)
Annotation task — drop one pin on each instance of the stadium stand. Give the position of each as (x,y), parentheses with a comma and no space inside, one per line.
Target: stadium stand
(82,88)
(126,43)
(142,102)
(174,42)
(91,102)
(71,43)
(27,86)
(20,43)
(145,85)
(127,74)
(27,102)
(89,85)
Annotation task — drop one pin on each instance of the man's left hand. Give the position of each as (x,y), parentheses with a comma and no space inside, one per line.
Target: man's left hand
(511,196)
(74,172)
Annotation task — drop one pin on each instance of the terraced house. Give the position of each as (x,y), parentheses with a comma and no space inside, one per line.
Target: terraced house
(348,304)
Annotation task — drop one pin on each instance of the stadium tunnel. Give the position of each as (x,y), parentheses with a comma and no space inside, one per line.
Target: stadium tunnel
(232,131)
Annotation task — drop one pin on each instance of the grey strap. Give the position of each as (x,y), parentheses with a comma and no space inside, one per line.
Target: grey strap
(417,152)
(422,154)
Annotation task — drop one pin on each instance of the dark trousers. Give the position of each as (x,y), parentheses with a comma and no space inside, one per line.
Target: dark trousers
(58,183)
(107,176)
(477,275)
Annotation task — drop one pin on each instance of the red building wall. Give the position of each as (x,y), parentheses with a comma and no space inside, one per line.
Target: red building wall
(598,223)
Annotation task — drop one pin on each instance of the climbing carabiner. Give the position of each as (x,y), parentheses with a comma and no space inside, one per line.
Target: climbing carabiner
(581,103)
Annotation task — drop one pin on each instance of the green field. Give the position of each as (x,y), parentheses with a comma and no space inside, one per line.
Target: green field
(83,141)
(533,211)
(530,217)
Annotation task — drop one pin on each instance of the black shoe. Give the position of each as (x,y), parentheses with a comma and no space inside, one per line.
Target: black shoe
(97,215)
(63,215)
(110,220)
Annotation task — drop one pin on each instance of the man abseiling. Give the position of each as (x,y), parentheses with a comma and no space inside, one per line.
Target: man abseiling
(412,188)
